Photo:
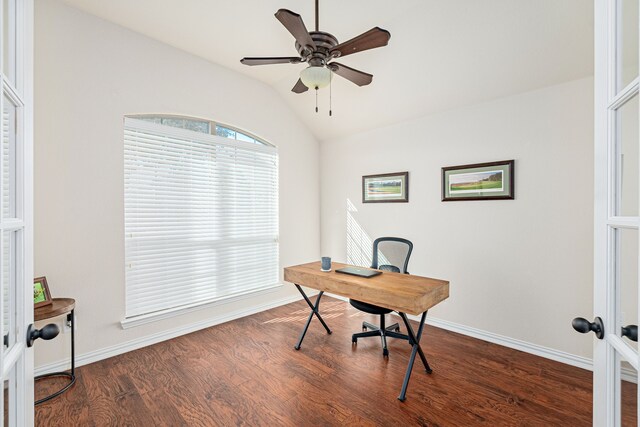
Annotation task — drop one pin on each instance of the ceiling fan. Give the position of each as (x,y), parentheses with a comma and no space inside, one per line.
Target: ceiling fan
(318,49)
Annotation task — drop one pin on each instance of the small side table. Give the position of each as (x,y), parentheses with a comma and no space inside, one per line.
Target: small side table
(59,306)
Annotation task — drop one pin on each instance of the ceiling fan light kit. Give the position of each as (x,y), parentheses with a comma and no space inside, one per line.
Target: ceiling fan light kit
(315,77)
(318,48)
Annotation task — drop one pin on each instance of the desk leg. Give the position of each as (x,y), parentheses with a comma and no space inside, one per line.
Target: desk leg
(314,311)
(413,338)
(416,349)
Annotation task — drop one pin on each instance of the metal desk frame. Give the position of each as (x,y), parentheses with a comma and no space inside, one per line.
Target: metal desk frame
(69,374)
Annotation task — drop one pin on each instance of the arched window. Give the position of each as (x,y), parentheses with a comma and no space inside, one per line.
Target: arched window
(203,126)
(201,214)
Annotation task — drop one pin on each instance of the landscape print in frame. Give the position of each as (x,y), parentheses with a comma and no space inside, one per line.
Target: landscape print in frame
(388,187)
(479,181)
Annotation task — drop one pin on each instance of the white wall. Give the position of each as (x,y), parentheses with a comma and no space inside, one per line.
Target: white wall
(518,268)
(88,75)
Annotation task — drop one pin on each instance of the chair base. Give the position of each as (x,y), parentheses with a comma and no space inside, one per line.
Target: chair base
(383,332)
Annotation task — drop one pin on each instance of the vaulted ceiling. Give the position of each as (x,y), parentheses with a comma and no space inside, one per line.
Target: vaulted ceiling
(442,54)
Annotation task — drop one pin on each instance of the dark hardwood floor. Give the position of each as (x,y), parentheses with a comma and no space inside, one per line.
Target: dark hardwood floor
(246,372)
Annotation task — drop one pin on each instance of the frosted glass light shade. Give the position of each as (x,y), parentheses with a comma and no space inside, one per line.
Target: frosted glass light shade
(315,77)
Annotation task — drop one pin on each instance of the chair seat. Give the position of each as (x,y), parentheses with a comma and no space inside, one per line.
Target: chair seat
(369,308)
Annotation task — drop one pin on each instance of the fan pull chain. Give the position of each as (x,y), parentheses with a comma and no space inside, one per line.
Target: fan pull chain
(330,84)
(316,99)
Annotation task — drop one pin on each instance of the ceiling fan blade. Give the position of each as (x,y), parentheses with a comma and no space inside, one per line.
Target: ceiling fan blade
(271,60)
(294,23)
(358,77)
(375,37)
(299,87)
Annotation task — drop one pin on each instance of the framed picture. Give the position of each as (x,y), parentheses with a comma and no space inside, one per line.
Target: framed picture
(480,181)
(41,294)
(388,187)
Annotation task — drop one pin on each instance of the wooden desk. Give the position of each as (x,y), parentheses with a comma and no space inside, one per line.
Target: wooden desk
(399,292)
(58,307)
(402,293)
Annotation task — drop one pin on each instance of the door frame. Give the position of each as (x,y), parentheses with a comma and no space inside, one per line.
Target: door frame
(26,402)
(607,99)
(19,358)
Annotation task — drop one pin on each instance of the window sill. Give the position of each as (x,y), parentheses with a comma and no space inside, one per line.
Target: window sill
(177,311)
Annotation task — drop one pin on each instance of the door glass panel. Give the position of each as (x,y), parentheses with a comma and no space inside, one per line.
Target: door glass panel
(16,310)
(9,396)
(627,280)
(8,168)
(9,40)
(5,406)
(9,283)
(629,172)
(627,51)
(628,395)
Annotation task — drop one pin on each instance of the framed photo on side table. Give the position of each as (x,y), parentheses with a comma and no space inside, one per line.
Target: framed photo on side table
(388,187)
(41,294)
(479,181)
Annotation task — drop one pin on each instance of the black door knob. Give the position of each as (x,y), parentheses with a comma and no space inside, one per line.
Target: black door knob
(48,332)
(631,332)
(583,326)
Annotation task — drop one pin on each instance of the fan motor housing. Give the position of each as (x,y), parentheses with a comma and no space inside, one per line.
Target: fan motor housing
(324,43)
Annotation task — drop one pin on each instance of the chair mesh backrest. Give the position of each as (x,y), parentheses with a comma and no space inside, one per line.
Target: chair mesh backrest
(391,254)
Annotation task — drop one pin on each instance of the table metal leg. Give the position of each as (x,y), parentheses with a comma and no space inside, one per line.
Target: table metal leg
(416,349)
(71,319)
(413,338)
(71,375)
(314,311)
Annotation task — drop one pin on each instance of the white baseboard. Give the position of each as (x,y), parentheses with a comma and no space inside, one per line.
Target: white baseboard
(105,353)
(516,344)
(527,347)
(626,373)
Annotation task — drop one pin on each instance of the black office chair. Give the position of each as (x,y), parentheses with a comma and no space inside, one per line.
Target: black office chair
(387,251)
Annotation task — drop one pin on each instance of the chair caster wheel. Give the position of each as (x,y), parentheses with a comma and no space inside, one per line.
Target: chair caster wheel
(385,352)
(397,329)
(354,340)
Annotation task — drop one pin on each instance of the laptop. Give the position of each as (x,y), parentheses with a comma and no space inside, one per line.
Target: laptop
(359,271)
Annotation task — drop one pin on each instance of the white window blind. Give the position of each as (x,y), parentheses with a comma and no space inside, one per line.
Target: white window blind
(201,217)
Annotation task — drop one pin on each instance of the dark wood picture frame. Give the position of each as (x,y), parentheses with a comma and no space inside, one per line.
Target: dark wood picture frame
(403,199)
(45,292)
(510,179)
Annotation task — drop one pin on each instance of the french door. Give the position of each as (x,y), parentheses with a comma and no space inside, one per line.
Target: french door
(16,210)
(617,213)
